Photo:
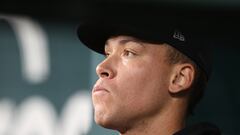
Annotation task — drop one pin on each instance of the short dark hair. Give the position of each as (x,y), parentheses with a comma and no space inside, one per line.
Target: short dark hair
(196,89)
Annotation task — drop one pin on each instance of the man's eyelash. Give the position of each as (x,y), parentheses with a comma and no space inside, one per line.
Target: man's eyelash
(127,52)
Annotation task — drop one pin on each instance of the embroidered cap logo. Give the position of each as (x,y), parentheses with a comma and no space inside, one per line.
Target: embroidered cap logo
(178,35)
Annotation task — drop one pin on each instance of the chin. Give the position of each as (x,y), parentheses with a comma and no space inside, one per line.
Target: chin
(100,118)
(105,122)
(113,124)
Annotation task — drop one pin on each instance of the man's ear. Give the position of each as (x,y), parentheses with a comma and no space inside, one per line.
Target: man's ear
(181,77)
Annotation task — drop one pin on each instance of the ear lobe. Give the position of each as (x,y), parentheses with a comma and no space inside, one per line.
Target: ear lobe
(181,78)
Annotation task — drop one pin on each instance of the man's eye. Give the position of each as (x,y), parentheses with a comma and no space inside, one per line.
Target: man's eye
(107,54)
(128,53)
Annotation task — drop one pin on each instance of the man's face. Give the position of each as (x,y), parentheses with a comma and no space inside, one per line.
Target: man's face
(133,83)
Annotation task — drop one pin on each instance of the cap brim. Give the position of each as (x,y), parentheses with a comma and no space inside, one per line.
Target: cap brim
(94,34)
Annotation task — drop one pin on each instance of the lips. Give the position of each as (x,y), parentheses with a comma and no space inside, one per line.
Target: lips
(97,89)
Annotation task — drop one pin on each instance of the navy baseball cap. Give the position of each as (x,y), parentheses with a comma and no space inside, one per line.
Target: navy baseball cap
(182,33)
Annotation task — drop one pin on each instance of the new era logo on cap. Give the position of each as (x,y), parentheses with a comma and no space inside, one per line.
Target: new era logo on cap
(178,35)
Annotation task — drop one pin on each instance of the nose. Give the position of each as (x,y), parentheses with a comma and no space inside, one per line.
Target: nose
(105,69)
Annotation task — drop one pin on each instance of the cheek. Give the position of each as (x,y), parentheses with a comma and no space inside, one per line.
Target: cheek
(141,84)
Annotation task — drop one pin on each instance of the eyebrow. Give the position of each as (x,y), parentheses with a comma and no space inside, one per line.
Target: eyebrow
(125,41)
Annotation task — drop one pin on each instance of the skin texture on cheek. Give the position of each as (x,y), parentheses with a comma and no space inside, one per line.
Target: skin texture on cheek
(141,88)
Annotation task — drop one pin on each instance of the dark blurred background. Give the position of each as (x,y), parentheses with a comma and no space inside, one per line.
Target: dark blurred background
(220,15)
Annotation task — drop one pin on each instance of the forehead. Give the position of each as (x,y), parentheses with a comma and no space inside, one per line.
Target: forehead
(125,39)
(153,48)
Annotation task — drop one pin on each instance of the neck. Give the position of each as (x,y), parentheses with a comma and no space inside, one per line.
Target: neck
(164,123)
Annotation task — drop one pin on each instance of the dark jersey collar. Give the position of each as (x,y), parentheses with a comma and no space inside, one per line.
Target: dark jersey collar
(203,128)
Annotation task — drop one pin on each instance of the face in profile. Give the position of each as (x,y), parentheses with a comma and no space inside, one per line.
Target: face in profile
(133,83)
